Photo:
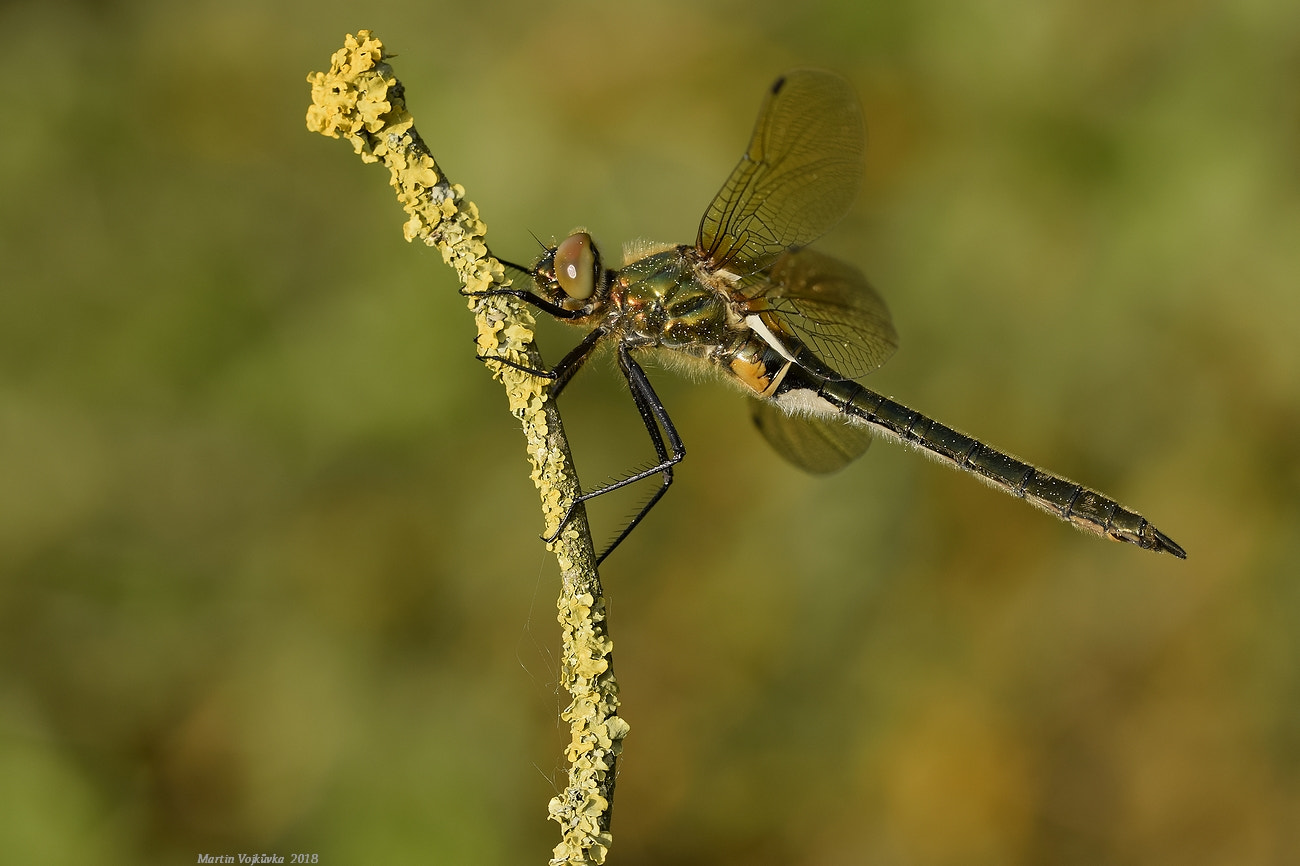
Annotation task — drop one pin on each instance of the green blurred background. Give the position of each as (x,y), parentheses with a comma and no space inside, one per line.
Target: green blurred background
(269,571)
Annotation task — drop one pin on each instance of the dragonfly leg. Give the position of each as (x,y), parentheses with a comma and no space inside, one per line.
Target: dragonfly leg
(527,297)
(655,417)
(524,368)
(562,372)
(524,295)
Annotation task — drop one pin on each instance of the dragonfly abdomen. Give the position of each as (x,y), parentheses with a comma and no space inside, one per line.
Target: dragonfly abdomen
(1084,508)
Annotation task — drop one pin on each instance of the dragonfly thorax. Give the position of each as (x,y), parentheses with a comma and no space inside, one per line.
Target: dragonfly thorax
(660,301)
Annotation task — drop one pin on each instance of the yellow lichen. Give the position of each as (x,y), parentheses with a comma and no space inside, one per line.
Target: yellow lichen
(359,99)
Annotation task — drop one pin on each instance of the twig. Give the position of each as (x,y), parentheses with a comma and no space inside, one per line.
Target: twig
(361,99)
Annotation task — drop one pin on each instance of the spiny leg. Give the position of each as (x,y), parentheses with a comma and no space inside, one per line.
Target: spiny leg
(527,297)
(524,295)
(562,372)
(654,416)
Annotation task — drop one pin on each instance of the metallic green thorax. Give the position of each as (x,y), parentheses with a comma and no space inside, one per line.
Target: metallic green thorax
(662,301)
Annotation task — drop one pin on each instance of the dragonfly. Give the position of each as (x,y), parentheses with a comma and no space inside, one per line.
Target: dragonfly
(792,328)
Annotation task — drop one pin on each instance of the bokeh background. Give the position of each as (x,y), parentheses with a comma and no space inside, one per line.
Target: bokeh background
(269,570)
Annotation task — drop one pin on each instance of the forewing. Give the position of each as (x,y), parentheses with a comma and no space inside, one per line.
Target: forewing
(833,309)
(814,444)
(798,177)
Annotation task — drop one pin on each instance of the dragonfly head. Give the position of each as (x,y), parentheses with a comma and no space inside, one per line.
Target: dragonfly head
(571,274)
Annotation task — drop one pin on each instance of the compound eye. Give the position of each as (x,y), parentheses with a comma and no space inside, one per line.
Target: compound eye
(576,265)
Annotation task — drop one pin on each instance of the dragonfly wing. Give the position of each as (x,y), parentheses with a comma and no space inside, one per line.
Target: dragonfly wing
(832,308)
(798,177)
(814,444)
